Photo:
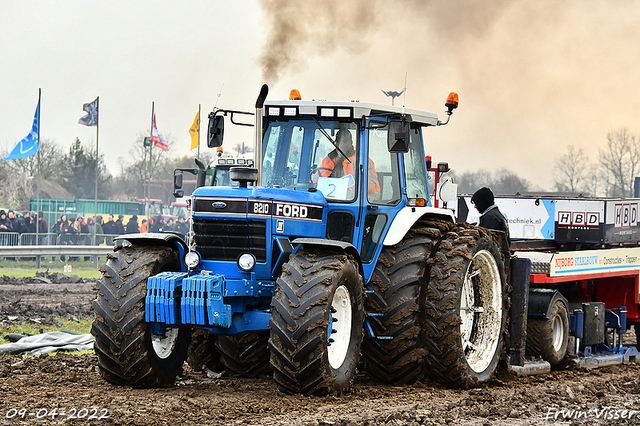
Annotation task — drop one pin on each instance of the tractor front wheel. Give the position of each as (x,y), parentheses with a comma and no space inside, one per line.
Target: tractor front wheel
(129,353)
(317,323)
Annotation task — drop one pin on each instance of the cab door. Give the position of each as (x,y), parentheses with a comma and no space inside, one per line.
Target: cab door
(381,194)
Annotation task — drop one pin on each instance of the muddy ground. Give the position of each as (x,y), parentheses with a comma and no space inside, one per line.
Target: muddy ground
(72,386)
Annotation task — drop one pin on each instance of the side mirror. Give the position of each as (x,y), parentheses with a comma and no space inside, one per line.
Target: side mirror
(216,131)
(177,179)
(201,175)
(398,136)
(177,184)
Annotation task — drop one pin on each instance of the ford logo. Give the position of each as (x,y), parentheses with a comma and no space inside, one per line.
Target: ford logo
(219,205)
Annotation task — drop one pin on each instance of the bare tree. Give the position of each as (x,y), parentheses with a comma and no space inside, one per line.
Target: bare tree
(594,180)
(242,147)
(51,156)
(508,183)
(572,170)
(621,161)
(469,182)
(18,176)
(16,189)
(502,181)
(146,165)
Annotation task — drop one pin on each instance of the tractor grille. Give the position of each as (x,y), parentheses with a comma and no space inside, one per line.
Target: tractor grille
(226,239)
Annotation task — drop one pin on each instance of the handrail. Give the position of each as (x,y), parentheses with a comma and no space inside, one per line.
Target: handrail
(51,238)
(66,250)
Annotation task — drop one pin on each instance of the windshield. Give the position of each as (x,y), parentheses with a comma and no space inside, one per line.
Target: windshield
(301,154)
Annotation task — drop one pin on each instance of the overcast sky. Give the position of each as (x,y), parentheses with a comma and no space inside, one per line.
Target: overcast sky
(534,76)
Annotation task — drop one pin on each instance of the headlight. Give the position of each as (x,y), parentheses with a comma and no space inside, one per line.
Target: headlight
(192,259)
(246,262)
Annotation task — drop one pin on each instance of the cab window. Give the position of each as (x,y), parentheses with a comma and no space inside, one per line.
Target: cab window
(415,168)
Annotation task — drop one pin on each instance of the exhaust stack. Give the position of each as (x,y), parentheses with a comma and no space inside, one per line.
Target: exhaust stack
(258,127)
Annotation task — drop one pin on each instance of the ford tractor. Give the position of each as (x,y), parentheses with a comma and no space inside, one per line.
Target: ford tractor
(332,253)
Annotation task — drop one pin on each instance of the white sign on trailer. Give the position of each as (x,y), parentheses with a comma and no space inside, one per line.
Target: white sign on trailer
(528,218)
(595,261)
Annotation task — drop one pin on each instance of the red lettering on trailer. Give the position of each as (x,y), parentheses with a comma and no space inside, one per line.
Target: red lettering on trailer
(564,262)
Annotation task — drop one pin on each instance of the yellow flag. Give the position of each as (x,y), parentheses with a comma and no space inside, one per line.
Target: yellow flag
(195,131)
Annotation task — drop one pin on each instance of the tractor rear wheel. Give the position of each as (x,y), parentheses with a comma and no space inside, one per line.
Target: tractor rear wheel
(128,352)
(395,293)
(317,323)
(549,337)
(245,354)
(465,308)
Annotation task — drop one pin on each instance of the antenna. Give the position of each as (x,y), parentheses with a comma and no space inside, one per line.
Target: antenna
(219,94)
(404,91)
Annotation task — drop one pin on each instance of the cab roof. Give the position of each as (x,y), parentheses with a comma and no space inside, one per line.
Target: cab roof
(355,109)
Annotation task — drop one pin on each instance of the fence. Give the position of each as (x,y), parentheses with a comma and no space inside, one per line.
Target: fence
(51,239)
(28,245)
(38,252)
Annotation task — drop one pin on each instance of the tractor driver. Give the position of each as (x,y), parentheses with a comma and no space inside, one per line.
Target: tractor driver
(331,165)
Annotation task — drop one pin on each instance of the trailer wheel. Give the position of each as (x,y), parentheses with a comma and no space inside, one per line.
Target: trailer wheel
(549,337)
(465,308)
(317,323)
(202,352)
(245,354)
(128,352)
(395,292)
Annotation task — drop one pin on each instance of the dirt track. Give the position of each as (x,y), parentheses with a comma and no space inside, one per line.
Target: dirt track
(71,383)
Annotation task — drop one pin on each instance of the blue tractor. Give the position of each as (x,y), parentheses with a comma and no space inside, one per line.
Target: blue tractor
(327,256)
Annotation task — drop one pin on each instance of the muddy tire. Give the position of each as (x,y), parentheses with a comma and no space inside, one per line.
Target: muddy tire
(465,308)
(128,353)
(245,354)
(202,352)
(317,323)
(549,337)
(394,292)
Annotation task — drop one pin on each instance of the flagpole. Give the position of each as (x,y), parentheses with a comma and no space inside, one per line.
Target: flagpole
(199,108)
(153,114)
(38,175)
(95,214)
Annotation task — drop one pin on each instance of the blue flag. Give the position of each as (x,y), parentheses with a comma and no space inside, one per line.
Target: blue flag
(91,119)
(29,145)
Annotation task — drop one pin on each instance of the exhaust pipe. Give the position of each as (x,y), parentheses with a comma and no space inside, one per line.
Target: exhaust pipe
(257,152)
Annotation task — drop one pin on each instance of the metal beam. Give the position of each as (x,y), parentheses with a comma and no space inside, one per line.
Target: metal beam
(42,251)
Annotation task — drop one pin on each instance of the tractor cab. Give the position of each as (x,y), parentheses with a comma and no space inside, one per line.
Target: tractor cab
(338,172)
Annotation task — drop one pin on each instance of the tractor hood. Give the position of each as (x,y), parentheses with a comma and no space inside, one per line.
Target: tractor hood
(259,201)
(284,212)
(229,221)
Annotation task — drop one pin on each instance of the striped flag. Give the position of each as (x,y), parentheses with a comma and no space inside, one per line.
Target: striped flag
(158,139)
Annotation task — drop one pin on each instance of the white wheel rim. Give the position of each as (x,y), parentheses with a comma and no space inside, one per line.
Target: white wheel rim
(339,329)
(163,346)
(481,311)
(558,333)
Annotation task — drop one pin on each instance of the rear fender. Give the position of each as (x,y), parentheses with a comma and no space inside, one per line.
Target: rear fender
(541,301)
(333,245)
(408,216)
